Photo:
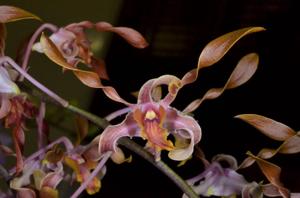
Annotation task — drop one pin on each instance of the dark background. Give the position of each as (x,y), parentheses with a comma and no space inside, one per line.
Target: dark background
(177,32)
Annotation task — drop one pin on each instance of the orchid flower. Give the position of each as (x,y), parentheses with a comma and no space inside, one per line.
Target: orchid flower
(45,178)
(153,119)
(219,181)
(47,166)
(73,44)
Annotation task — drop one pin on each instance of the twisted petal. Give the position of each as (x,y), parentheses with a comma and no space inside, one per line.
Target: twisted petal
(112,134)
(185,127)
(147,93)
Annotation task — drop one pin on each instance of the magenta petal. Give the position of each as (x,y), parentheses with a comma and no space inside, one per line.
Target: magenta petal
(110,136)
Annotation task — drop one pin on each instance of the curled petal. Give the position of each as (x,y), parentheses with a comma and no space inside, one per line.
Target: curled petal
(291,145)
(147,94)
(268,127)
(88,78)
(180,154)
(110,136)
(227,158)
(179,123)
(119,157)
(132,36)
(272,173)
(244,70)
(99,67)
(217,48)
(11,13)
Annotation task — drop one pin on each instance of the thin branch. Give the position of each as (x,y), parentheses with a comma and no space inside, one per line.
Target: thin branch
(103,124)
(53,95)
(93,174)
(33,38)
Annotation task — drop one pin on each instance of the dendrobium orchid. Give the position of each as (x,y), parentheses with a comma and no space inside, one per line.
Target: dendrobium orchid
(153,119)
(73,44)
(216,180)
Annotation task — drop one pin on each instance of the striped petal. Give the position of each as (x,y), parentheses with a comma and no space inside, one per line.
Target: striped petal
(110,136)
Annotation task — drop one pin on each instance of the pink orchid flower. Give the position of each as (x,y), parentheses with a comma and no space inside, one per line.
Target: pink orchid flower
(153,119)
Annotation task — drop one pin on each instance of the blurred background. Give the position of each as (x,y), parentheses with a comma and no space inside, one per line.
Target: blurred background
(177,31)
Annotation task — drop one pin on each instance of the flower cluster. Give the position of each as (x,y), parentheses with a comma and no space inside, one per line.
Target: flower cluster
(152,118)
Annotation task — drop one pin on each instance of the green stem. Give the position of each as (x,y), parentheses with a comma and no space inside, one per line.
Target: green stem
(131,145)
(93,118)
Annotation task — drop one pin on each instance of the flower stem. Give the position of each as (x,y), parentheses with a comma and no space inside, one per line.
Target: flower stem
(93,174)
(159,165)
(53,95)
(131,145)
(93,118)
(124,141)
(33,38)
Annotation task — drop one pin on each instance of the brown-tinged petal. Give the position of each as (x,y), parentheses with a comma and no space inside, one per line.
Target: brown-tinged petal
(19,140)
(2,39)
(244,70)
(88,78)
(47,192)
(246,163)
(11,13)
(98,66)
(268,127)
(217,48)
(82,126)
(110,136)
(132,36)
(5,107)
(272,173)
(291,145)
